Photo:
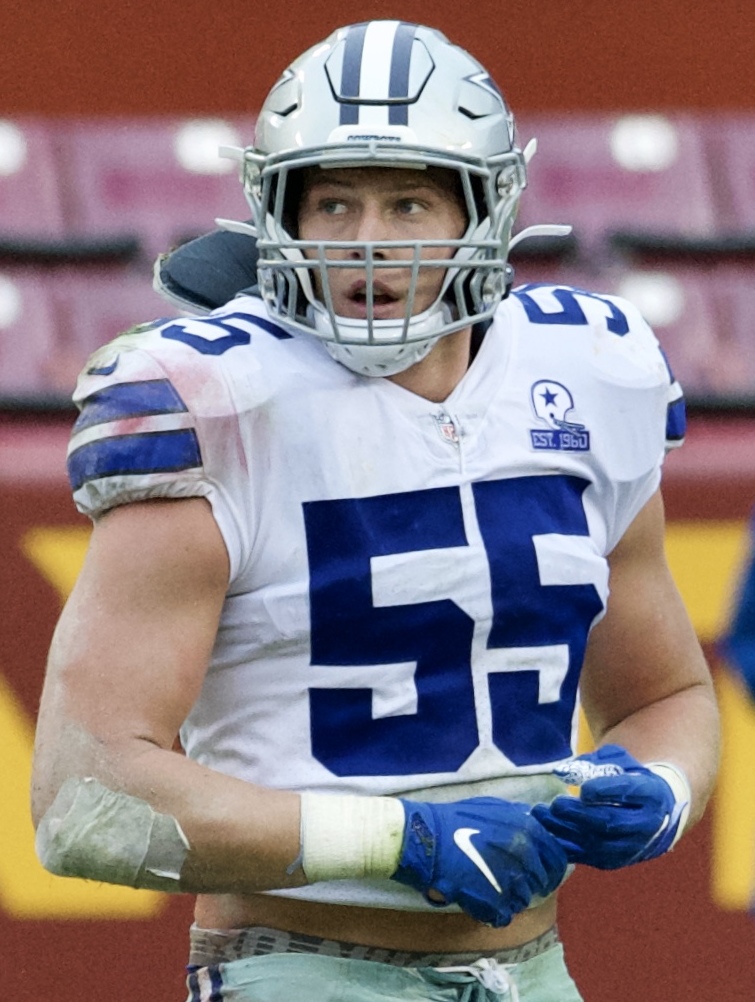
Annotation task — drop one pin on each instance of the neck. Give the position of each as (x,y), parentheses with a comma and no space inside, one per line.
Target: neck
(440,372)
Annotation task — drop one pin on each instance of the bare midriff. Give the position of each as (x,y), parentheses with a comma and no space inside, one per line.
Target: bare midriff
(383,927)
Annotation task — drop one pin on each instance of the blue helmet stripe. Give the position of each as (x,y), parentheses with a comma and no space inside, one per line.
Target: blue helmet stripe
(128,400)
(351,72)
(128,455)
(401,59)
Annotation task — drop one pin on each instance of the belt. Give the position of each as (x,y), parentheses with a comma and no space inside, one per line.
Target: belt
(217,946)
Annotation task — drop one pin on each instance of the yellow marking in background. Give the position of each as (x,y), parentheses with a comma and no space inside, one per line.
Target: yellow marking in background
(58,554)
(27,890)
(734,807)
(706,560)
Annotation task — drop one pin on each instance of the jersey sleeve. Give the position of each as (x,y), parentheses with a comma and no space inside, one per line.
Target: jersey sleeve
(153,427)
(648,411)
(624,389)
(644,341)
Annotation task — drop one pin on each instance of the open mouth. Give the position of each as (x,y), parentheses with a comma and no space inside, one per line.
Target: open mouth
(381,294)
(384,300)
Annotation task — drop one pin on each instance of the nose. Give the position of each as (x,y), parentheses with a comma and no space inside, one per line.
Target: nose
(370,225)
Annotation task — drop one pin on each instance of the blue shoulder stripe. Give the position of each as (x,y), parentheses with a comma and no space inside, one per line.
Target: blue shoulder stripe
(124,455)
(269,326)
(676,421)
(128,400)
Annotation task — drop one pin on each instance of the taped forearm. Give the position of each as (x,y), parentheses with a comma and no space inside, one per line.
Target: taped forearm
(94,833)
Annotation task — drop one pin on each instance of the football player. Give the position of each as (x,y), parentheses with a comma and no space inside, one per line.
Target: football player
(364,535)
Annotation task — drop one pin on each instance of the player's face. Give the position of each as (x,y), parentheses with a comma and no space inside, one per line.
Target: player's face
(367,204)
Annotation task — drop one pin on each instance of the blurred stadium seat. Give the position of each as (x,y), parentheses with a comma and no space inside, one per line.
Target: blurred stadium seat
(603,174)
(663,209)
(28,336)
(733,294)
(158,180)
(51,320)
(731,146)
(30,195)
(94,305)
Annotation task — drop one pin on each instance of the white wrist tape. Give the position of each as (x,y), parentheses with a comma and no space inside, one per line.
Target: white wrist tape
(679,787)
(350,837)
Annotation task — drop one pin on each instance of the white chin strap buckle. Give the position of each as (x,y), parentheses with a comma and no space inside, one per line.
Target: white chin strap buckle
(377,359)
(393,349)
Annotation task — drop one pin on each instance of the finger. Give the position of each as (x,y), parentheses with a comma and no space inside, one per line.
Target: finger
(494,914)
(626,789)
(569,817)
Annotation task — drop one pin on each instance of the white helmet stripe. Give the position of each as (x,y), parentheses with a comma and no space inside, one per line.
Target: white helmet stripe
(375,76)
(370,79)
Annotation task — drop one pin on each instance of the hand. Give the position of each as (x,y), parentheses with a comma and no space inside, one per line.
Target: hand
(625,812)
(487,855)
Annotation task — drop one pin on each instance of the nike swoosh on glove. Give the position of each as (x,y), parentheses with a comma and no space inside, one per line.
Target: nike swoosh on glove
(489,856)
(625,813)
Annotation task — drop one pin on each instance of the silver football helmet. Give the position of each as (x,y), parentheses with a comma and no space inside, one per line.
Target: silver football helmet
(393,94)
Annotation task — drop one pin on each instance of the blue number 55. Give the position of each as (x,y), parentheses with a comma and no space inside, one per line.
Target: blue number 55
(536,639)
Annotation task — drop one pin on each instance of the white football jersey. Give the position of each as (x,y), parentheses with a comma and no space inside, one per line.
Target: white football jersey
(412,583)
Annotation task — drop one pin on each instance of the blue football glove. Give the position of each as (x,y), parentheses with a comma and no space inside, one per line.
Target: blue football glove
(487,855)
(625,812)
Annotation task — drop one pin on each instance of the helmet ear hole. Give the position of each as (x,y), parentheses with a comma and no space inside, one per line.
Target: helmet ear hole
(295,182)
(478,196)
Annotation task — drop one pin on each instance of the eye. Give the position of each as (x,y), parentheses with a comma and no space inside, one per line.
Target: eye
(409,206)
(332,206)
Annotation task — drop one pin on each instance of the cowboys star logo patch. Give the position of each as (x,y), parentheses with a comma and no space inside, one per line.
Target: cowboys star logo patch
(553,403)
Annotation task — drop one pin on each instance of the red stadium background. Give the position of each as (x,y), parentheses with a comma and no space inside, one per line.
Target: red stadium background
(673,929)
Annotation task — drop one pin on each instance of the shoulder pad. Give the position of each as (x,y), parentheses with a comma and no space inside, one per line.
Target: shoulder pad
(205,273)
(635,352)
